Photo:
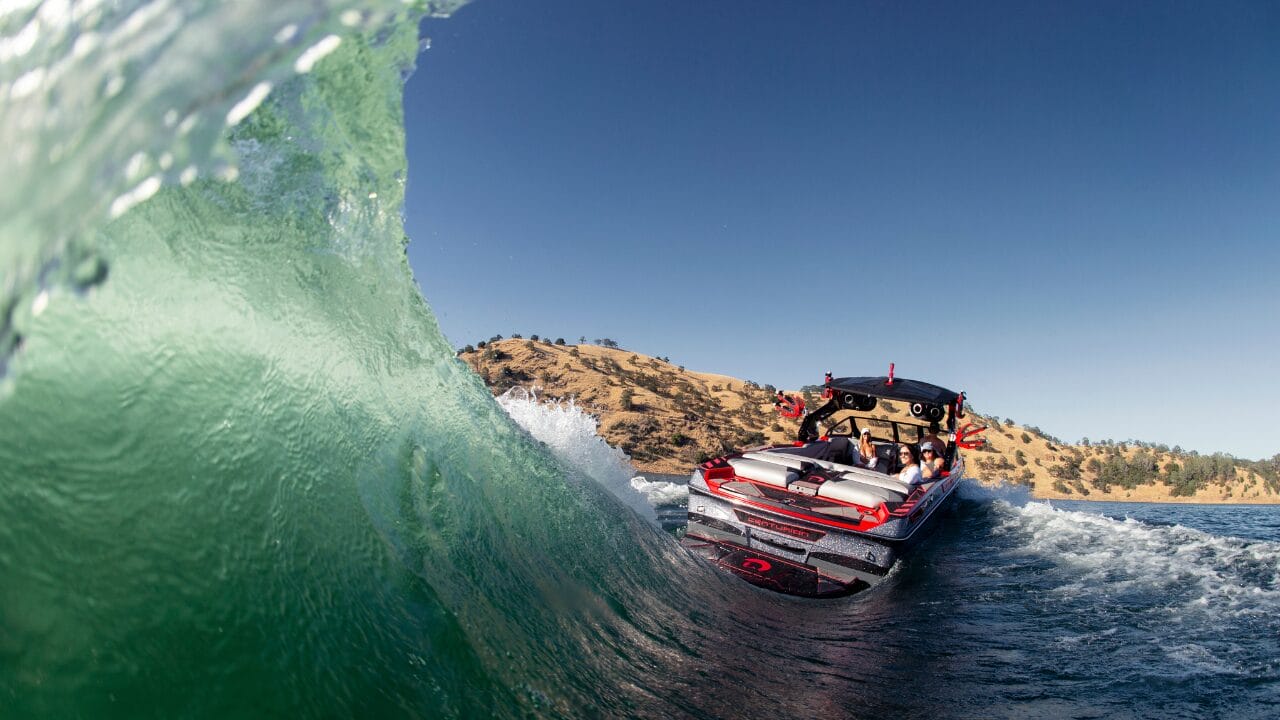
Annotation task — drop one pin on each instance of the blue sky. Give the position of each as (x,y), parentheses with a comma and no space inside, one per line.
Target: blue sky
(1068,210)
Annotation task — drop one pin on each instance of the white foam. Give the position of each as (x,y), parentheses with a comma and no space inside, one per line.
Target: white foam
(570,434)
(660,492)
(1195,570)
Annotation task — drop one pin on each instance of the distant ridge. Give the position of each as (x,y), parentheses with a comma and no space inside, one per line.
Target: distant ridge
(668,419)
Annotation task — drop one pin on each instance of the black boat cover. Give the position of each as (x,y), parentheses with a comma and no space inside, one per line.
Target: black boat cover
(901,389)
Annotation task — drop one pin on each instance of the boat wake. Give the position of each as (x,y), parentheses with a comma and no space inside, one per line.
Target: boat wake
(1175,601)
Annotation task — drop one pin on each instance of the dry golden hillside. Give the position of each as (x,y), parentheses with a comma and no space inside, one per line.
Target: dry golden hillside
(668,419)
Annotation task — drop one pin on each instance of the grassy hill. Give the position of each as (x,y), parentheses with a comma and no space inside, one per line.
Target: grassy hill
(668,419)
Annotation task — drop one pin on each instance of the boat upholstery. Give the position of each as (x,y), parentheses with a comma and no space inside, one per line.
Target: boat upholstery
(765,472)
(859,486)
(795,462)
(868,477)
(851,489)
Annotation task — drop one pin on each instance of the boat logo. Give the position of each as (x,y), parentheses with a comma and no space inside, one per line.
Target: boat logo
(756,564)
(781,528)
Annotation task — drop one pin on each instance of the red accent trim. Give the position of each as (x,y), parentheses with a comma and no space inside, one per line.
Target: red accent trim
(965,436)
(789,407)
(797,443)
(715,476)
(880,513)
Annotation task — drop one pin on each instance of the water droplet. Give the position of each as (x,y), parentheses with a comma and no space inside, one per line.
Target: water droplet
(286,33)
(250,102)
(313,54)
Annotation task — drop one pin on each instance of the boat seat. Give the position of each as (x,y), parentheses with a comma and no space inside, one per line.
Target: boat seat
(868,477)
(764,472)
(795,462)
(888,454)
(851,489)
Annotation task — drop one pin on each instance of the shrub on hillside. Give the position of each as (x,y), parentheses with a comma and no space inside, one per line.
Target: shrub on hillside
(1065,471)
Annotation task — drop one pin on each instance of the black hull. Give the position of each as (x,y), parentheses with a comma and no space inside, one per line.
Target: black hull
(772,572)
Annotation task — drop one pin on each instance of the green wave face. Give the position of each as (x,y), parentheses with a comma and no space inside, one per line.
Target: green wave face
(246,476)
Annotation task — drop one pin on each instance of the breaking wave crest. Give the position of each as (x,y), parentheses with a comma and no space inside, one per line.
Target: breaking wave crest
(570,434)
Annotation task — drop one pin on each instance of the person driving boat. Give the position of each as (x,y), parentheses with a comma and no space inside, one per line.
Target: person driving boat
(931,458)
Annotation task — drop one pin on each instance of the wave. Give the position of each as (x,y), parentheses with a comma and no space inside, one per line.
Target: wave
(570,434)
(105,104)
(242,472)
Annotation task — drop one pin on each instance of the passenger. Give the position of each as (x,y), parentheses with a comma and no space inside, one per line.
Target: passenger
(910,458)
(866,450)
(931,458)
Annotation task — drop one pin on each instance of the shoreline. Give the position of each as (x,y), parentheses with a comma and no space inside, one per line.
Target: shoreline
(668,419)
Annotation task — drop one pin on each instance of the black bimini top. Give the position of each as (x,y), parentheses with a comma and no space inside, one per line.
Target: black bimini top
(901,389)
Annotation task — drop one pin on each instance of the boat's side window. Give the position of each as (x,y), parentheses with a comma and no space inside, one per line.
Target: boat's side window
(844,427)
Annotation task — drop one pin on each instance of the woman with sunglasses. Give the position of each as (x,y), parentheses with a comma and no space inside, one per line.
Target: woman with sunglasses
(931,459)
(910,458)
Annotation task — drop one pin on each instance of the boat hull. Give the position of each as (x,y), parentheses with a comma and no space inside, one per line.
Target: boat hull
(790,555)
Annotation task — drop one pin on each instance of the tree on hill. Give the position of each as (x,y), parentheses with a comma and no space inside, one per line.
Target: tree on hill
(606,342)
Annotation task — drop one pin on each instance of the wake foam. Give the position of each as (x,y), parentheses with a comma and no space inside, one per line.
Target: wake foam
(1193,570)
(571,435)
